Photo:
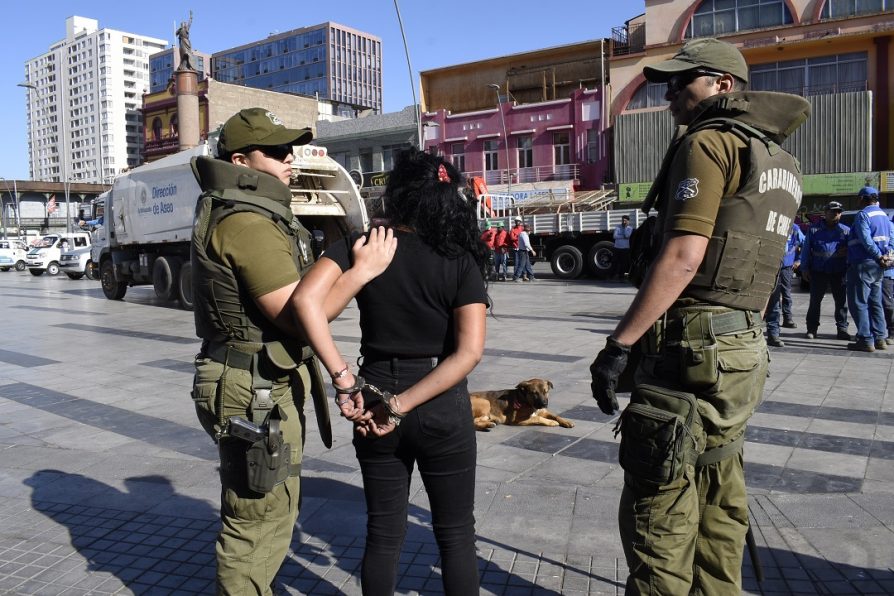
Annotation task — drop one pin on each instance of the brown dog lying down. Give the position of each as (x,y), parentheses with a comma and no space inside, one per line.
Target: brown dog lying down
(523,406)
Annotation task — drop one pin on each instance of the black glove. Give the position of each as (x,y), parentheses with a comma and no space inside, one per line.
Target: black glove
(605,370)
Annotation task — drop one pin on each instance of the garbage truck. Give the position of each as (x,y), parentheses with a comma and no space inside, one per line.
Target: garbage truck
(148,217)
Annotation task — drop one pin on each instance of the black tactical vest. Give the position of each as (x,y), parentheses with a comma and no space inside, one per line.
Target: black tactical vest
(224,313)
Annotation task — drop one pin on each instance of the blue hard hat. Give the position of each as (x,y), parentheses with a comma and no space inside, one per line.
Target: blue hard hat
(868,191)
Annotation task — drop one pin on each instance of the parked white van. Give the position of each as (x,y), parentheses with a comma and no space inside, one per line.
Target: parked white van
(12,254)
(46,254)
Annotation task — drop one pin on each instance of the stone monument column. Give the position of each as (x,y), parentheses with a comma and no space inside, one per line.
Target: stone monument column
(187,86)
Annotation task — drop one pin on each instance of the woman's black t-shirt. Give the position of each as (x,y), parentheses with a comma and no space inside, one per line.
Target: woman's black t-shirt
(407,311)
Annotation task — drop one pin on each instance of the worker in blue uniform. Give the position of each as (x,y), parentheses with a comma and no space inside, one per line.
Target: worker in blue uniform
(823,265)
(781,298)
(867,258)
(888,291)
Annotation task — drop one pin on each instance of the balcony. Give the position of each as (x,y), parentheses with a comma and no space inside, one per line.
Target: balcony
(161,147)
(527,175)
(628,39)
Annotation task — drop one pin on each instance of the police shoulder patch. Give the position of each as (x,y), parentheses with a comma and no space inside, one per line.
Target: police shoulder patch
(687,189)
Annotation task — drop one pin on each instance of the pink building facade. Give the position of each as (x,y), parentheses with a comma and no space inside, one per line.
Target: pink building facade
(557,143)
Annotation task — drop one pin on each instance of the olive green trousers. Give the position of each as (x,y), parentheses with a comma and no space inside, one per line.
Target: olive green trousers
(688,536)
(256,529)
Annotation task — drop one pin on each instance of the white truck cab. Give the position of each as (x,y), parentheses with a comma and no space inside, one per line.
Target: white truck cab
(46,255)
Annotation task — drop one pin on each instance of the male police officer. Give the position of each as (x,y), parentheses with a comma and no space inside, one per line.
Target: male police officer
(248,255)
(867,258)
(726,195)
(823,263)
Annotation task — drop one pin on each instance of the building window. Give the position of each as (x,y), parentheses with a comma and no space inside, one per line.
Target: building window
(175,126)
(561,148)
(834,9)
(649,95)
(156,129)
(718,17)
(592,145)
(525,146)
(491,157)
(389,155)
(458,156)
(813,76)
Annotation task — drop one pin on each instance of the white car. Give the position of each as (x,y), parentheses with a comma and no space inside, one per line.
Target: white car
(77,263)
(44,257)
(12,255)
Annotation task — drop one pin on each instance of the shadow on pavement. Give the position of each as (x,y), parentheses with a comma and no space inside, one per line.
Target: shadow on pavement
(787,572)
(116,534)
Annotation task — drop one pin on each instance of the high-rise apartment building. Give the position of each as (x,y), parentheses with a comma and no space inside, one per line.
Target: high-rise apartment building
(328,60)
(84,99)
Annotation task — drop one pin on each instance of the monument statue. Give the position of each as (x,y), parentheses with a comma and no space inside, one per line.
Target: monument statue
(187,58)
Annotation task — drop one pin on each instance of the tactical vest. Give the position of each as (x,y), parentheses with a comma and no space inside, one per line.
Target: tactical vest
(752,225)
(224,314)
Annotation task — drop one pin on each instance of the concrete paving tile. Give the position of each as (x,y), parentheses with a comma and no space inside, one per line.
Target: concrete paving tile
(824,462)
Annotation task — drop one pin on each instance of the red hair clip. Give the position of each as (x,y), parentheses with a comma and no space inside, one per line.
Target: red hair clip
(442,174)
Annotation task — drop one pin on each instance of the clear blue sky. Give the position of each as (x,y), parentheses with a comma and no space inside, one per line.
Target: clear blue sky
(438,34)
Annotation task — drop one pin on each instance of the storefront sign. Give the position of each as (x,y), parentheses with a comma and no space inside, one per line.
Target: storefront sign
(841,183)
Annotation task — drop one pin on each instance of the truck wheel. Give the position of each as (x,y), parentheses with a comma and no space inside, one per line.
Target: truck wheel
(184,287)
(20,265)
(567,262)
(74,275)
(600,259)
(53,268)
(165,277)
(112,288)
(36,272)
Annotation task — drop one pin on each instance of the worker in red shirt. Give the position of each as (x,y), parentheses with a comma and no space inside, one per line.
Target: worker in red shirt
(501,250)
(488,236)
(512,238)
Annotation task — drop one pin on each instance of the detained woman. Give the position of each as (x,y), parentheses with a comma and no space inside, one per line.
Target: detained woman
(423,329)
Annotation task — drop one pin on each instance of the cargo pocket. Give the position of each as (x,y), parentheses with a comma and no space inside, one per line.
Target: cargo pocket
(660,433)
(204,397)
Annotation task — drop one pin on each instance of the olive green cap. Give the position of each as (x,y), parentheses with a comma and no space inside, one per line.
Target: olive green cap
(707,54)
(257,126)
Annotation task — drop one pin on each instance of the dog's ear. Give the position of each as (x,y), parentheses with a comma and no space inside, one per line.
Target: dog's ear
(549,384)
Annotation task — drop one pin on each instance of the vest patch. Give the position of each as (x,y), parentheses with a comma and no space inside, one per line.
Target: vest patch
(687,189)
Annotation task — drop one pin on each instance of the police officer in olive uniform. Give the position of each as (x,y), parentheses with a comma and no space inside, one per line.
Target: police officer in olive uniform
(726,196)
(252,375)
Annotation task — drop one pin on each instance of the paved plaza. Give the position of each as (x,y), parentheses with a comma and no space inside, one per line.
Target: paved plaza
(109,485)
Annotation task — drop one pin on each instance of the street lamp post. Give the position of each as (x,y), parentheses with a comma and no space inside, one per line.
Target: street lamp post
(416,104)
(496,89)
(15,199)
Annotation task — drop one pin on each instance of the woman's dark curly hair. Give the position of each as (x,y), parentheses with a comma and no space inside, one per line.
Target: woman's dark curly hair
(434,207)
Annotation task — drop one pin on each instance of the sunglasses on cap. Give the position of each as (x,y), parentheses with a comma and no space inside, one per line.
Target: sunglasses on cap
(277,152)
(676,83)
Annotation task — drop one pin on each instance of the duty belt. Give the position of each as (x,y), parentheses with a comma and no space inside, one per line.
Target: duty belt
(231,355)
(724,322)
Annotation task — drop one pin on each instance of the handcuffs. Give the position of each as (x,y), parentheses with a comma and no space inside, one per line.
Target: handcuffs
(394,415)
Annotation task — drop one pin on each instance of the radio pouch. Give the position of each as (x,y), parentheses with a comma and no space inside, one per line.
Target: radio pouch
(268,460)
(698,346)
(661,431)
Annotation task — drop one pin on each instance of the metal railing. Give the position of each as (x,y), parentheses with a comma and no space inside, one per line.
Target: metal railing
(628,39)
(525,175)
